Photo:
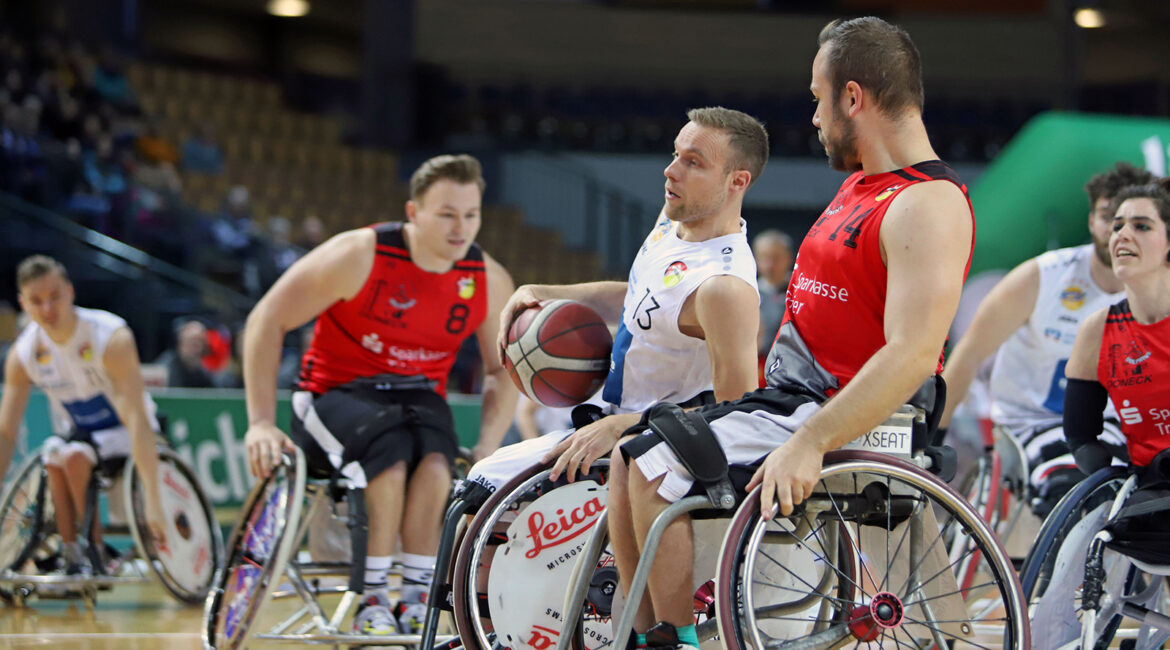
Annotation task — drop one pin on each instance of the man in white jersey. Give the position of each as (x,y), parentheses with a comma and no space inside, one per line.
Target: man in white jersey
(86,362)
(690,310)
(1031,317)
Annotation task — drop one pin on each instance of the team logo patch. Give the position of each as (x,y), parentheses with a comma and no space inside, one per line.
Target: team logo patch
(674,274)
(466,287)
(1073,297)
(42,355)
(86,352)
(887,193)
(661,230)
(402,299)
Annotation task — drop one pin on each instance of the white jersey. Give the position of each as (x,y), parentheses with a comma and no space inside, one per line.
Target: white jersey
(1027,380)
(73,375)
(652,360)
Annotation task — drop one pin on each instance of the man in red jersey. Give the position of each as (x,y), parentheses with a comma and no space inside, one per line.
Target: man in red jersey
(875,287)
(393,303)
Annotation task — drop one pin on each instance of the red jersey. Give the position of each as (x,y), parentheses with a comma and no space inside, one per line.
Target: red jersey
(404,321)
(1134,368)
(836,296)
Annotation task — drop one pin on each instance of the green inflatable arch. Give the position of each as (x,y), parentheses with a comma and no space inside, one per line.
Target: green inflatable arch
(1031,198)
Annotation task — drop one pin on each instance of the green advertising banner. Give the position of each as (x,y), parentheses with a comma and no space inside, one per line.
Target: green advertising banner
(1032,198)
(207,428)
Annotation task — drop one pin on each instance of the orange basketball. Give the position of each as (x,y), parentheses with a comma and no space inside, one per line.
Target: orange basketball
(558,352)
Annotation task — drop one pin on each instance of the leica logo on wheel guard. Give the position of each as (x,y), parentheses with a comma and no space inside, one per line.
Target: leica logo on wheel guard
(564,528)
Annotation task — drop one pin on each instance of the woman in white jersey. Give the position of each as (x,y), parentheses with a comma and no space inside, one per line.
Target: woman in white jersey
(86,362)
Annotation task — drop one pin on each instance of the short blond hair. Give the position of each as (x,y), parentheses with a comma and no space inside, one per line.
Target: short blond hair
(749,138)
(36,267)
(460,168)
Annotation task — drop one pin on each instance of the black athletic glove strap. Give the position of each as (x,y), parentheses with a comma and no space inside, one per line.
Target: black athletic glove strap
(1084,404)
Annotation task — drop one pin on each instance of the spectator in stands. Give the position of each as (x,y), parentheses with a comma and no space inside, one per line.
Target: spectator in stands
(111,84)
(281,248)
(312,233)
(773,251)
(201,152)
(153,148)
(233,228)
(184,363)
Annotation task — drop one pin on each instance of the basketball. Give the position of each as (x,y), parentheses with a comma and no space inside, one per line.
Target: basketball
(558,352)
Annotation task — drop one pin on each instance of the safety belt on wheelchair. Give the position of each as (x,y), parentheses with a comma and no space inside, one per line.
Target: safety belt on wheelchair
(691,439)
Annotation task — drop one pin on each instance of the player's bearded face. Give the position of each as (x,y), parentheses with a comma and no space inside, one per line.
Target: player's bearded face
(840,141)
(1101,227)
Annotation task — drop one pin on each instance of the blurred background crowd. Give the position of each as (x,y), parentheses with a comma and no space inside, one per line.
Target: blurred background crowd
(179,155)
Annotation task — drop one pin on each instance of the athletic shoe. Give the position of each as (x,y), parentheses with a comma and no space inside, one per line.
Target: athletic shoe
(411,617)
(373,616)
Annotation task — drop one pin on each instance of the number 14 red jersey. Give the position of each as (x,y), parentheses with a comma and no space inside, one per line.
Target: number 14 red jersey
(404,321)
(837,293)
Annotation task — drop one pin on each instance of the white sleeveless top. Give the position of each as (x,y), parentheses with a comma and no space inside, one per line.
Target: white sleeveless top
(652,361)
(1027,380)
(72,375)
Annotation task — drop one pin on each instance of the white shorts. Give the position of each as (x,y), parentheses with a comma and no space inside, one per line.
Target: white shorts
(107,444)
(499,468)
(748,430)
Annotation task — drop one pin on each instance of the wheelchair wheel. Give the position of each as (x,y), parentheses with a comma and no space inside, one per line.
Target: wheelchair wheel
(865,561)
(522,602)
(257,552)
(26,509)
(186,564)
(1102,486)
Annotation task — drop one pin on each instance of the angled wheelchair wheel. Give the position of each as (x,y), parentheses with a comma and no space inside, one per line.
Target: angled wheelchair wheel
(864,563)
(186,564)
(257,552)
(515,561)
(26,512)
(1053,573)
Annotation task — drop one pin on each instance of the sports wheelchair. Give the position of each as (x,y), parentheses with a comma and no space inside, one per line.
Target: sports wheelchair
(264,564)
(30,545)
(1089,570)
(864,560)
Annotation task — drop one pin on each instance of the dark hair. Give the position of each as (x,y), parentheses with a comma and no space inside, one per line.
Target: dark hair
(749,138)
(879,56)
(37,267)
(1107,184)
(460,168)
(1157,191)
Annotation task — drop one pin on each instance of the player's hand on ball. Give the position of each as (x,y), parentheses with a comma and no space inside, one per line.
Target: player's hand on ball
(577,453)
(265,444)
(522,299)
(788,475)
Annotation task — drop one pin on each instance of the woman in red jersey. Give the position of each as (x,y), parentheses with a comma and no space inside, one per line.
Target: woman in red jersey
(1123,352)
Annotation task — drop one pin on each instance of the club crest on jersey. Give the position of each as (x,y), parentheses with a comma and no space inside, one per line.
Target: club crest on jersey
(86,352)
(466,287)
(1136,354)
(42,355)
(674,273)
(1073,297)
(887,193)
(402,299)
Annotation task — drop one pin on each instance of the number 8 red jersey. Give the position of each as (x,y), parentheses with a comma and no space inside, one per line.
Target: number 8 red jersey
(404,321)
(837,293)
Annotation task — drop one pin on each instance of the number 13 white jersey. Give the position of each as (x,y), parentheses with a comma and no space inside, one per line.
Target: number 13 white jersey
(652,361)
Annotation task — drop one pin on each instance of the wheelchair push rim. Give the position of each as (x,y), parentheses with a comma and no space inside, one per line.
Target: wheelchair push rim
(186,566)
(24,510)
(260,546)
(902,592)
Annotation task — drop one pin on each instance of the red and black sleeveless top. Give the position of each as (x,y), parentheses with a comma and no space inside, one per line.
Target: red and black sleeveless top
(836,296)
(404,321)
(1134,367)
